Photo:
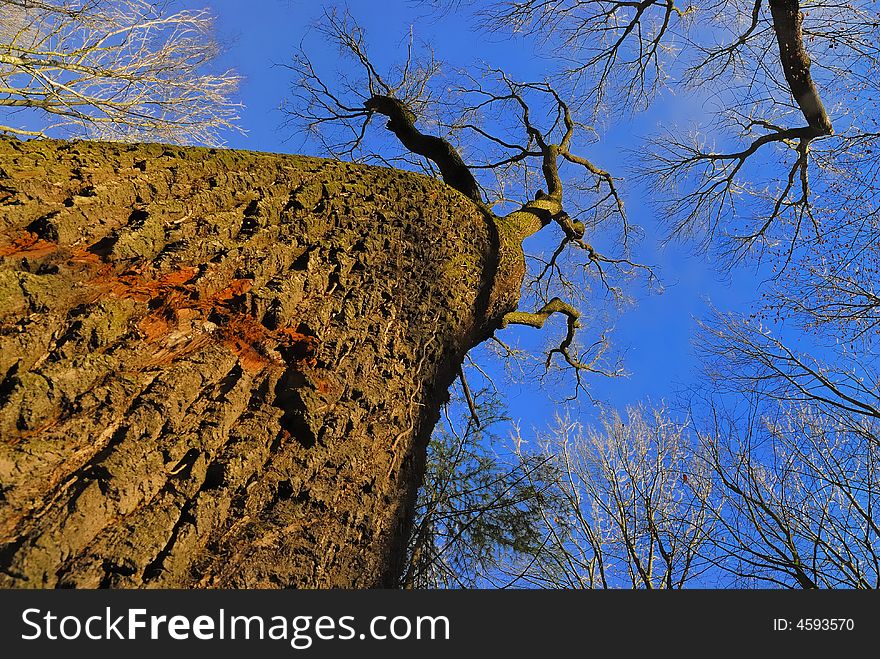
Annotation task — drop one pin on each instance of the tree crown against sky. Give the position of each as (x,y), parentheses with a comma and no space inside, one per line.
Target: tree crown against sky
(762,178)
(129,70)
(773,175)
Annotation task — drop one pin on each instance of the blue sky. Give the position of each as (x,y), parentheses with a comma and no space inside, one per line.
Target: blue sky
(656,334)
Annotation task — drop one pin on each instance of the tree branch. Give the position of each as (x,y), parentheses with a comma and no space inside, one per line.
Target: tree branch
(401,122)
(788,24)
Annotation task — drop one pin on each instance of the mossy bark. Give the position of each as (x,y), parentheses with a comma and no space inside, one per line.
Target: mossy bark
(221,368)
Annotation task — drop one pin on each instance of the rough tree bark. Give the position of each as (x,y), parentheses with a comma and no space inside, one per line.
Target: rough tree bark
(221,368)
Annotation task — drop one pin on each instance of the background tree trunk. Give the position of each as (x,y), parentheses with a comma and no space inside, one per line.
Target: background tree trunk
(221,368)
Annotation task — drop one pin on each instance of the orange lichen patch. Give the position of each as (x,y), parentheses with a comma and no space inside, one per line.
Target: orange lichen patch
(180,321)
(256,345)
(236,288)
(323,386)
(304,348)
(134,284)
(86,257)
(250,340)
(292,336)
(153,327)
(180,318)
(28,244)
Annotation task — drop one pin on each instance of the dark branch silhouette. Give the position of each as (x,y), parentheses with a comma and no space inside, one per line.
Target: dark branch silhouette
(788,24)
(402,122)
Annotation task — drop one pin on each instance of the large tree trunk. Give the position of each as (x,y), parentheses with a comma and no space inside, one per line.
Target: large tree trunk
(222,368)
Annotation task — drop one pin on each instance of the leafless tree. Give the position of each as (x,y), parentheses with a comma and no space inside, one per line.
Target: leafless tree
(795,460)
(744,357)
(830,292)
(497,141)
(618,51)
(775,171)
(776,495)
(771,166)
(796,493)
(112,69)
(631,506)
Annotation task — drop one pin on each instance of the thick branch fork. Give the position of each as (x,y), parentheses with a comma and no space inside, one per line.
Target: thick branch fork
(546,144)
(537,320)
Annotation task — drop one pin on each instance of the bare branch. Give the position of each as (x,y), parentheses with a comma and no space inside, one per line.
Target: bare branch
(788,24)
(114,70)
(564,349)
(401,122)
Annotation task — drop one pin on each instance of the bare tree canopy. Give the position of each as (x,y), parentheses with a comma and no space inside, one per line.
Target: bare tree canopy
(629,506)
(795,491)
(787,89)
(772,495)
(112,69)
(515,148)
(782,167)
